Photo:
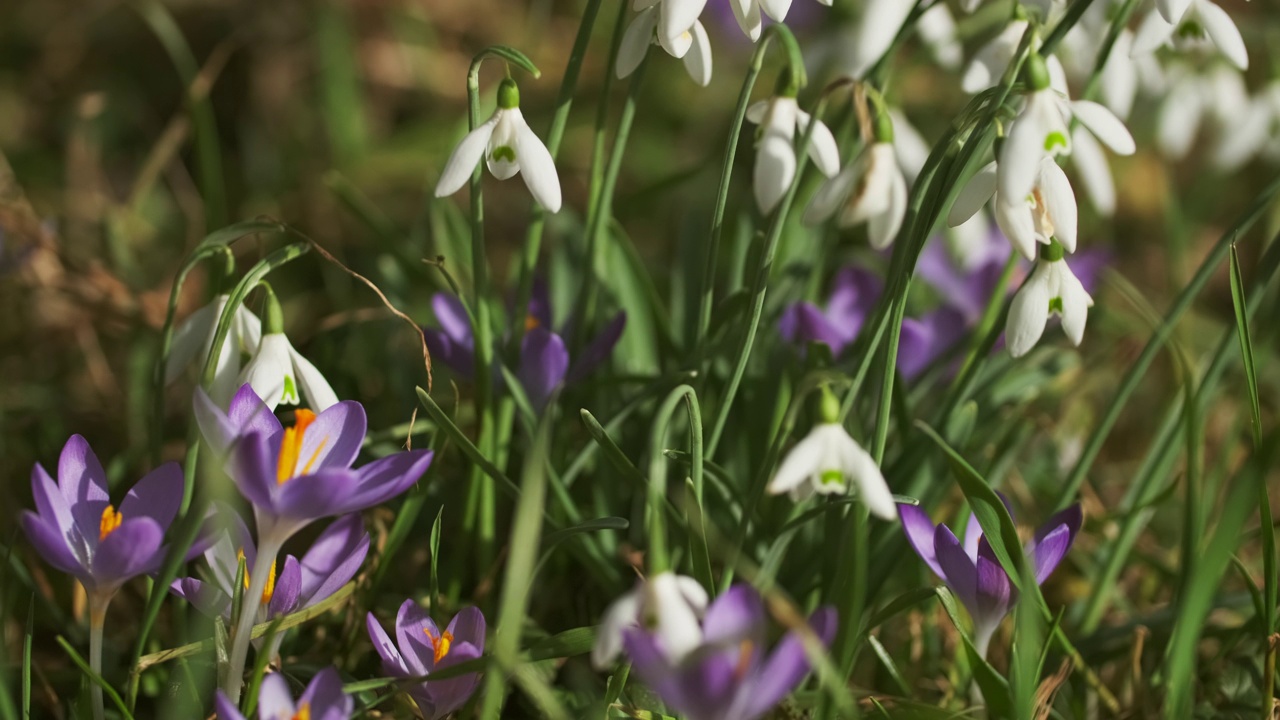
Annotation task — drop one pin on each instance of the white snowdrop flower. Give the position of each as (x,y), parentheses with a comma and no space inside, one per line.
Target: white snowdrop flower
(508,147)
(937,30)
(747,13)
(824,462)
(871,189)
(781,121)
(279,374)
(668,604)
(1196,23)
(993,58)
(689,44)
(193,341)
(881,20)
(1090,161)
(909,145)
(1041,130)
(1218,97)
(1050,289)
(1257,132)
(1046,212)
(827,459)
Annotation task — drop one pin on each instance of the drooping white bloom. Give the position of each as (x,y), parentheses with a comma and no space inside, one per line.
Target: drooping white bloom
(280,375)
(193,341)
(668,604)
(1090,161)
(1217,97)
(508,147)
(870,189)
(690,44)
(993,58)
(781,120)
(937,30)
(824,461)
(1049,210)
(1257,132)
(747,13)
(909,144)
(1041,131)
(1194,23)
(881,20)
(1050,289)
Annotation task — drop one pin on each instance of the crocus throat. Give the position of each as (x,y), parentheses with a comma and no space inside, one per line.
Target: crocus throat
(111,520)
(303,712)
(531,323)
(270,589)
(744,659)
(291,447)
(439,643)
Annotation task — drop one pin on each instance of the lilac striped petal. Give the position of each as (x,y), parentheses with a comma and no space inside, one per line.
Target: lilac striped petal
(958,570)
(446,696)
(459,358)
(333,559)
(468,626)
(414,630)
(392,662)
(386,478)
(325,698)
(853,294)
(252,466)
(84,485)
(285,597)
(206,598)
(540,303)
(53,509)
(453,319)
(1054,539)
(51,544)
(920,533)
(317,495)
(158,495)
(274,698)
(995,591)
(650,663)
(333,439)
(226,709)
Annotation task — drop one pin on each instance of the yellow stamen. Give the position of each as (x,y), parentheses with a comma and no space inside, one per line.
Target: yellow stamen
(270,589)
(303,713)
(291,446)
(531,322)
(440,643)
(744,659)
(110,521)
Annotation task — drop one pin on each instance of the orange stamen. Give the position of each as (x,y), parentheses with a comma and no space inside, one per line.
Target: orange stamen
(744,659)
(440,643)
(110,521)
(291,446)
(303,713)
(531,323)
(270,589)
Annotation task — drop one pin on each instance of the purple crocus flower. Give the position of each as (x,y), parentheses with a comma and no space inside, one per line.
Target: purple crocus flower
(853,295)
(333,559)
(78,530)
(971,569)
(966,284)
(420,648)
(322,700)
(728,676)
(544,356)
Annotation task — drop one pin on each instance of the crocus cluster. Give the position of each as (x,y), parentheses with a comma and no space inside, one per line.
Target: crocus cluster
(972,570)
(421,648)
(323,699)
(706,661)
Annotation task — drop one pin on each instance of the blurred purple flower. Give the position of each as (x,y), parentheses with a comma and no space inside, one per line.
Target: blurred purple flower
(544,356)
(927,338)
(420,648)
(78,531)
(967,286)
(728,676)
(322,700)
(333,559)
(295,475)
(972,571)
(853,295)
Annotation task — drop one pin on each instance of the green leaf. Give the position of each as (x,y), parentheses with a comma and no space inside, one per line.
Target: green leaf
(995,689)
(588,526)
(95,678)
(509,54)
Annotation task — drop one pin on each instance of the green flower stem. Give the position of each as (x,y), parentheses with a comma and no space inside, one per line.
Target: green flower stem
(564,101)
(707,294)
(760,280)
(602,203)
(658,558)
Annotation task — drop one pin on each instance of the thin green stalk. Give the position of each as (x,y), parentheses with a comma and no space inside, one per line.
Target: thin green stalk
(659,560)
(564,101)
(707,294)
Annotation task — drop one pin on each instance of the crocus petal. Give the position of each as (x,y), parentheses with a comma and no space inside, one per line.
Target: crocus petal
(1053,540)
(973,196)
(387,477)
(313,386)
(285,595)
(252,467)
(226,710)
(737,615)
(462,162)
(414,630)
(209,600)
(544,360)
(788,664)
(959,572)
(321,494)
(802,323)
(995,592)
(52,508)
(1028,314)
(130,550)
(392,662)
(598,350)
(274,698)
(920,530)
(1224,33)
(774,169)
(158,495)
(333,439)
(84,485)
(537,168)
(468,626)
(248,413)
(651,665)
(451,694)
(333,559)
(325,698)
(1105,126)
(635,42)
(49,542)
(697,61)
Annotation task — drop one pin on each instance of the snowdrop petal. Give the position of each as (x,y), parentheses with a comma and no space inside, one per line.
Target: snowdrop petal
(676,17)
(908,144)
(635,42)
(1090,162)
(698,60)
(747,13)
(1075,304)
(1020,157)
(872,489)
(775,167)
(973,196)
(1237,147)
(832,195)
(776,9)
(1179,120)
(312,384)
(458,169)
(1224,33)
(537,167)
(1153,33)
(1060,199)
(883,228)
(677,46)
(1016,223)
(822,145)
(1172,10)
(799,466)
(191,337)
(619,616)
(1105,126)
(756,111)
(1028,313)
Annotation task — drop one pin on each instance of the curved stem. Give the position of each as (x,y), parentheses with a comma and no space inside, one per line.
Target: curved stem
(267,549)
(659,561)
